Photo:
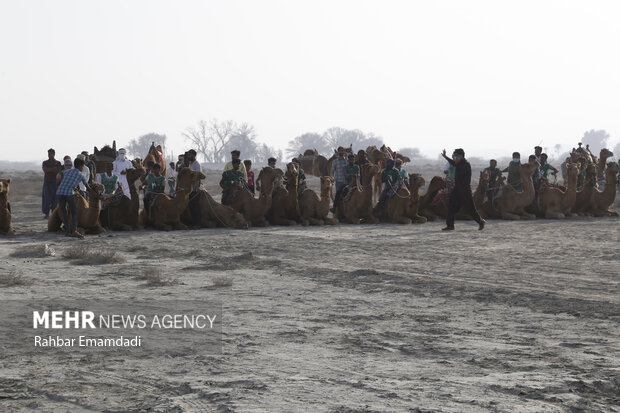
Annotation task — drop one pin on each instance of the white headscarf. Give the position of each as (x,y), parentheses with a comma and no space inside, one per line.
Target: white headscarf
(121,155)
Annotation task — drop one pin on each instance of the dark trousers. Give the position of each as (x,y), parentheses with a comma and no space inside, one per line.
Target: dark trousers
(194,207)
(63,201)
(461,198)
(49,197)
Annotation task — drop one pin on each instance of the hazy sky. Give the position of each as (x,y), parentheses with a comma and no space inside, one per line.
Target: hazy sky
(490,76)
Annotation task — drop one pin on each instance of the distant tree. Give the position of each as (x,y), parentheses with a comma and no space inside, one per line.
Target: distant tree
(307,141)
(138,148)
(209,139)
(336,136)
(412,153)
(243,139)
(597,139)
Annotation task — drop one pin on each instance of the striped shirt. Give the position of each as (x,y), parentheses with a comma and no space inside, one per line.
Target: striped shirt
(70,179)
(338,166)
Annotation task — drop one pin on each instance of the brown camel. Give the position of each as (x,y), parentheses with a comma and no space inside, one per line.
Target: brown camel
(582,200)
(103,156)
(6,227)
(425,205)
(121,213)
(413,208)
(314,208)
(285,206)
(313,163)
(165,212)
(87,210)
(440,208)
(155,155)
(603,200)
(357,207)
(512,203)
(601,165)
(214,215)
(252,209)
(553,203)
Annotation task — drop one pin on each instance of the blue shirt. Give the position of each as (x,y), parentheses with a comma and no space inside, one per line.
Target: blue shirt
(338,166)
(70,179)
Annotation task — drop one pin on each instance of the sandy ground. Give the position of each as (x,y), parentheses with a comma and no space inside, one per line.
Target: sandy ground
(524,316)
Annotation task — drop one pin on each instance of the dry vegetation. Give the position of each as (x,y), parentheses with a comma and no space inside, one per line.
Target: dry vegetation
(34,251)
(155,277)
(13,278)
(84,255)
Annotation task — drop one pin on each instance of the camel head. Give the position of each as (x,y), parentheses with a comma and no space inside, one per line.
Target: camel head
(95,191)
(234,219)
(527,169)
(484,177)
(416,181)
(268,176)
(437,183)
(327,183)
(572,169)
(134,174)
(369,170)
(611,172)
(5,184)
(310,152)
(188,176)
(605,153)
(137,163)
(403,158)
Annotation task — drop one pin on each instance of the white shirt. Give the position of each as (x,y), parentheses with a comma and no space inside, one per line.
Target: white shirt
(85,174)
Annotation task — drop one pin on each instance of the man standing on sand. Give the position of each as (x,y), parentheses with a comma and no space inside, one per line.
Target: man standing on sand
(121,164)
(338,166)
(50,167)
(64,194)
(461,193)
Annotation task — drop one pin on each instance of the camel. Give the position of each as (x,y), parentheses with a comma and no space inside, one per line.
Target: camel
(440,209)
(285,205)
(213,214)
(413,208)
(103,156)
(601,201)
(6,227)
(582,200)
(402,207)
(155,155)
(87,210)
(252,209)
(121,213)
(553,203)
(313,163)
(314,208)
(512,203)
(357,207)
(425,203)
(601,164)
(165,212)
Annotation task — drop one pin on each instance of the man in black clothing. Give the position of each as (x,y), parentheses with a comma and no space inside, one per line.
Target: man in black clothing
(461,193)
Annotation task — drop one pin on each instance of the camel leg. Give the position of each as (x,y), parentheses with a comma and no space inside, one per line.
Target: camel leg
(315,221)
(554,215)
(401,220)
(509,216)
(121,227)
(331,221)
(54,221)
(419,220)
(353,220)
(161,226)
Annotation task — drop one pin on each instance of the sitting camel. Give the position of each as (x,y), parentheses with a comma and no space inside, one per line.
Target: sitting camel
(314,208)
(583,197)
(285,206)
(252,209)
(165,212)
(553,203)
(155,155)
(440,208)
(426,201)
(511,203)
(213,214)
(87,210)
(416,181)
(601,165)
(402,207)
(601,201)
(120,213)
(6,227)
(356,208)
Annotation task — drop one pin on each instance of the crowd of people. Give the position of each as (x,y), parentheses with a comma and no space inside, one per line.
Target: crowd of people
(61,179)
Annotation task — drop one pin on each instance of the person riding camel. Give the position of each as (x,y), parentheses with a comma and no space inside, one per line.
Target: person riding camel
(398,164)
(494,173)
(248,168)
(108,180)
(155,185)
(390,176)
(235,154)
(301,177)
(121,165)
(514,172)
(232,179)
(351,179)
(543,170)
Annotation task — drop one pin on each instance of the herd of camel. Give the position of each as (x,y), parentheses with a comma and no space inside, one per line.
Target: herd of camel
(278,202)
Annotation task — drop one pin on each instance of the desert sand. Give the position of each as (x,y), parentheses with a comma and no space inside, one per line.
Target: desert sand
(523,316)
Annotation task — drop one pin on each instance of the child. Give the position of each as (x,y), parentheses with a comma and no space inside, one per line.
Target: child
(108,180)
(155,185)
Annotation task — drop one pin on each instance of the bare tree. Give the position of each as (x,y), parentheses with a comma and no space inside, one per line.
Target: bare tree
(597,139)
(138,148)
(307,141)
(209,139)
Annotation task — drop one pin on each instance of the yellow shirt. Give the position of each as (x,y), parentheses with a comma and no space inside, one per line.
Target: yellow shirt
(241,168)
